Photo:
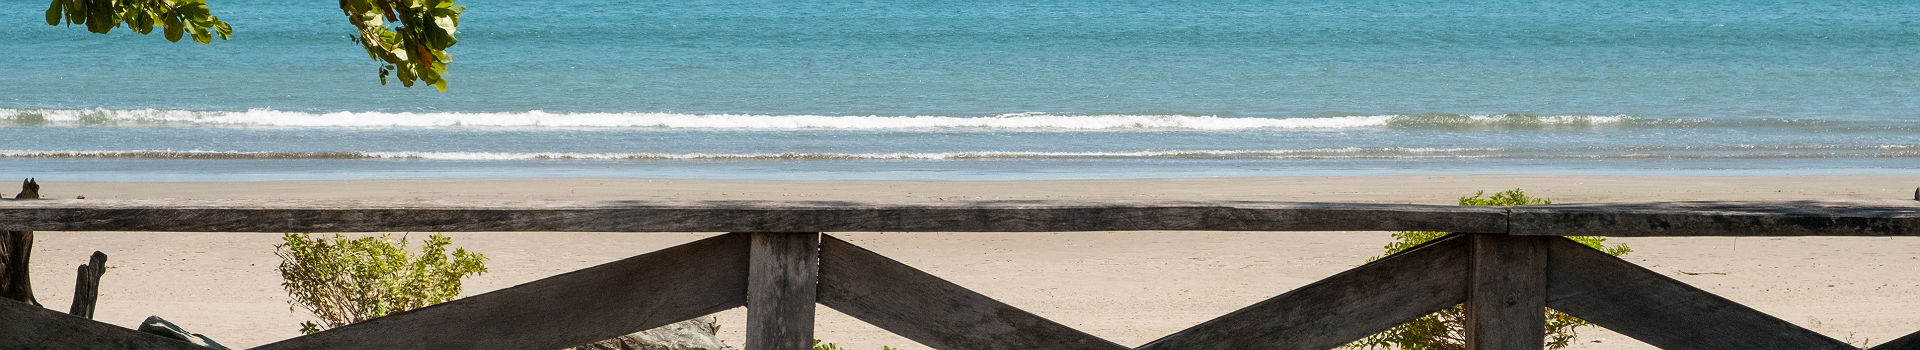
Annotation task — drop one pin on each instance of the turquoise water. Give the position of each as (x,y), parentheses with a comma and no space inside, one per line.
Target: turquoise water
(984,90)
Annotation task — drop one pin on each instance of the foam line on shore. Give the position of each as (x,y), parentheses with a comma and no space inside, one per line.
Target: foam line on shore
(1010,121)
(1724,152)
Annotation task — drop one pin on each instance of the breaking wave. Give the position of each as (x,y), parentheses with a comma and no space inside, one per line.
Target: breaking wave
(1632,152)
(1014,121)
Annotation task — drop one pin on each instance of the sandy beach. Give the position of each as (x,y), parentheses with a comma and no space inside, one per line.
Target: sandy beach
(1129,287)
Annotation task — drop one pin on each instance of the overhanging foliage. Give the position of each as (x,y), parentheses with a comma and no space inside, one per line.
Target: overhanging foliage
(409,37)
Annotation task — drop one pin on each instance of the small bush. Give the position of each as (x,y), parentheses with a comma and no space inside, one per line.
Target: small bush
(1446,329)
(344,281)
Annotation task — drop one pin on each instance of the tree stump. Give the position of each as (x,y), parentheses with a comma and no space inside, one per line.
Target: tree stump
(15,249)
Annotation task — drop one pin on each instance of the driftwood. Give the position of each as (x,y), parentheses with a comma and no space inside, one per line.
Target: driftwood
(86,290)
(16,248)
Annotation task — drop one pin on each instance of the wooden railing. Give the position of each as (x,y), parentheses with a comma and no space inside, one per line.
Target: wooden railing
(1505,264)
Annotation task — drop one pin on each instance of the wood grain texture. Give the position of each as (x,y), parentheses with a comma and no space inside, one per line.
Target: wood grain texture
(1663,312)
(932,311)
(1797,218)
(1507,292)
(16,281)
(571,309)
(781,284)
(1794,218)
(732,216)
(1909,342)
(25,326)
(86,287)
(1342,308)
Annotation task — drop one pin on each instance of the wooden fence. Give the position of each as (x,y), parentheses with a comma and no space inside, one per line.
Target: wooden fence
(1506,264)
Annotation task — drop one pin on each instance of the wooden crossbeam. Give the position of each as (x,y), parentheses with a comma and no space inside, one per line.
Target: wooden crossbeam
(781,285)
(1790,218)
(732,216)
(930,310)
(1336,310)
(1693,219)
(1909,342)
(24,326)
(1507,292)
(1661,311)
(571,309)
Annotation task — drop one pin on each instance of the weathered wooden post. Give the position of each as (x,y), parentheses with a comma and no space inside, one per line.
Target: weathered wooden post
(783,271)
(16,249)
(86,291)
(1507,292)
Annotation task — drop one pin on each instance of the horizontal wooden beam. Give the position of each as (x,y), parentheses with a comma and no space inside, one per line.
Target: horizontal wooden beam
(571,309)
(1793,218)
(1663,312)
(24,326)
(933,311)
(1342,308)
(731,216)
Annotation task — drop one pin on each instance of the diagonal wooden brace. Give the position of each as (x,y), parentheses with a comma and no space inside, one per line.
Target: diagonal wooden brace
(570,309)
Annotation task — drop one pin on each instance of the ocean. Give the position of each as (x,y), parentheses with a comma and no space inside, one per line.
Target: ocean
(982,90)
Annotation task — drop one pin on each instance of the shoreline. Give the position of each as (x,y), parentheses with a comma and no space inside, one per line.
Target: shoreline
(1129,287)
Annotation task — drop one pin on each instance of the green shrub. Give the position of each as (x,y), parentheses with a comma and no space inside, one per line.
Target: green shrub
(1446,329)
(344,281)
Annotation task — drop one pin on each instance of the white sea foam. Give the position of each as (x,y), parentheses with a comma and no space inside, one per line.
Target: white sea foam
(539,119)
(485,156)
(1731,152)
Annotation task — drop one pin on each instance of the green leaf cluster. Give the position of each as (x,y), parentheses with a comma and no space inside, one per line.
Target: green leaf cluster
(1446,329)
(177,17)
(409,37)
(343,281)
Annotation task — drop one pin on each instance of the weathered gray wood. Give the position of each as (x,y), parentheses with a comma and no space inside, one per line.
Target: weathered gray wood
(1339,309)
(781,285)
(732,216)
(16,250)
(86,290)
(1909,342)
(1661,311)
(932,311)
(1855,218)
(1794,218)
(1507,293)
(571,309)
(25,326)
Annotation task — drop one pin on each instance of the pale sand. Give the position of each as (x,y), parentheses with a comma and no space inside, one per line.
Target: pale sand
(1130,287)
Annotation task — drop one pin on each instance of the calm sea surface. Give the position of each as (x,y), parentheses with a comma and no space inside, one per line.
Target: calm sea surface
(1032,89)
